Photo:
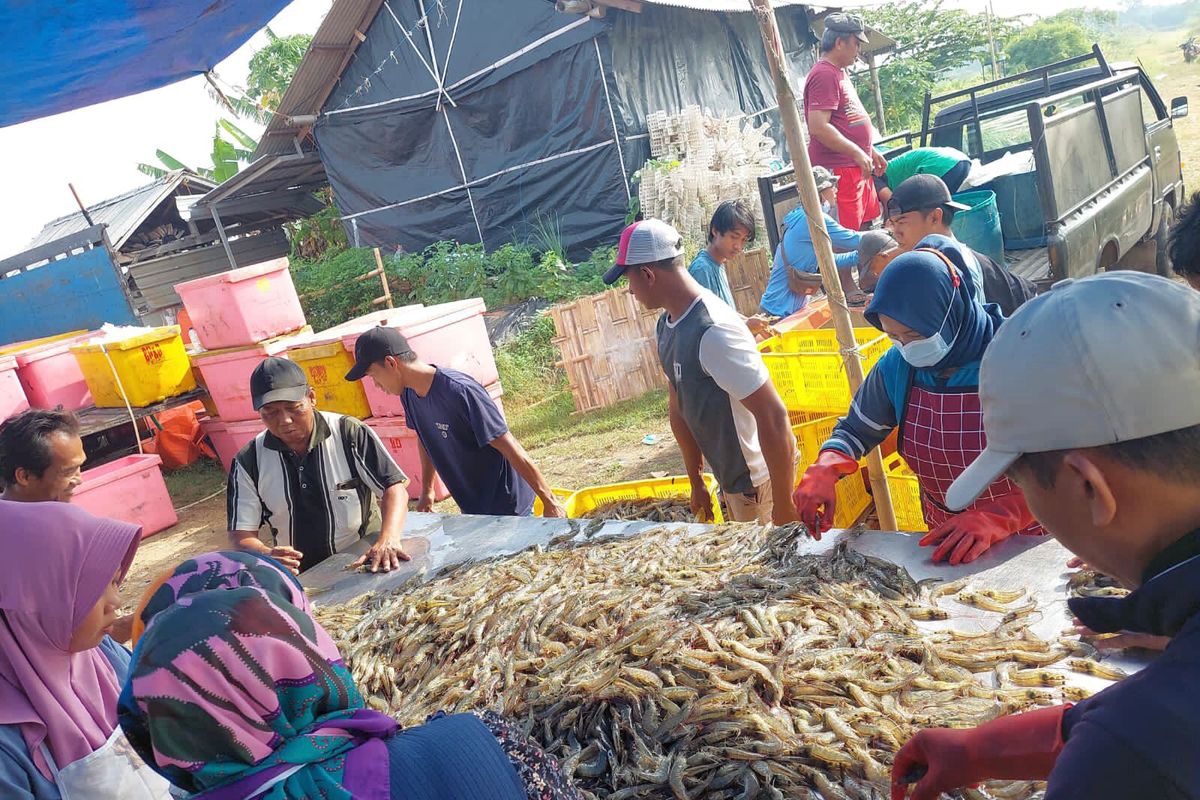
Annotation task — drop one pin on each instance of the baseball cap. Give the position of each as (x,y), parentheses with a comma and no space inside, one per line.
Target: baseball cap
(644,242)
(276,379)
(921,193)
(1094,361)
(824,178)
(872,243)
(374,346)
(848,23)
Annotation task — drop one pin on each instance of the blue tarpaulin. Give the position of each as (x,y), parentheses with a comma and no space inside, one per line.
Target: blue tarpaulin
(64,54)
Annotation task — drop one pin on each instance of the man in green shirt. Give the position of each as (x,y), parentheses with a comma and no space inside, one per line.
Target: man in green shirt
(951,165)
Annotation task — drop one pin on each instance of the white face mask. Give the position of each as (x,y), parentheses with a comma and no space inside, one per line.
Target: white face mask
(931,350)
(826,207)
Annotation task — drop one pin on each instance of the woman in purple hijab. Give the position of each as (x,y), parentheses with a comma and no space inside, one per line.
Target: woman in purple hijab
(60,674)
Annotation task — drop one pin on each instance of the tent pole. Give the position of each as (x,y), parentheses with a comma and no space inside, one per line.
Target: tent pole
(811,203)
(880,122)
(224,239)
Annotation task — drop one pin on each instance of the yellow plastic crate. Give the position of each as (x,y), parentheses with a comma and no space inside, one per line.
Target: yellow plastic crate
(809,438)
(326,366)
(561,494)
(906,494)
(585,500)
(807,367)
(150,367)
(29,344)
(852,500)
(852,495)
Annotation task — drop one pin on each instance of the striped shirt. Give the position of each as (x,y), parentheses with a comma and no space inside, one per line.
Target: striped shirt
(318,503)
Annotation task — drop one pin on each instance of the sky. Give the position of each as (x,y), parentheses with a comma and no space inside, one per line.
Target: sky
(98,149)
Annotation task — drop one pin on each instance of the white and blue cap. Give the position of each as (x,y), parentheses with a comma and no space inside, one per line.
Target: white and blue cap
(1094,361)
(644,242)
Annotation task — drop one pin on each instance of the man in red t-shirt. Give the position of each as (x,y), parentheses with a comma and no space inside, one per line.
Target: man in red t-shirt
(840,131)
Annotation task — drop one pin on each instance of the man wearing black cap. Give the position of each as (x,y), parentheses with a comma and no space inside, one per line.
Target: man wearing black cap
(842,134)
(920,212)
(461,433)
(310,476)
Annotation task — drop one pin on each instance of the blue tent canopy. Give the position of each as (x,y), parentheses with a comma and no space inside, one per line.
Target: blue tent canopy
(59,56)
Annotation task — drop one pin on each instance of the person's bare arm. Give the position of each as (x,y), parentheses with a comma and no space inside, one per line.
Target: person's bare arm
(428,479)
(823,131)
(515,454)
(249,541)
(386,554)
(778,448)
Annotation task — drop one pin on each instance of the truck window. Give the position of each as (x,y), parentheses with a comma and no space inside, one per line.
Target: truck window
(1005,132)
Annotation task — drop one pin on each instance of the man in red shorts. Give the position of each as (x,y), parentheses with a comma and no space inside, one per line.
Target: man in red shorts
(840,131)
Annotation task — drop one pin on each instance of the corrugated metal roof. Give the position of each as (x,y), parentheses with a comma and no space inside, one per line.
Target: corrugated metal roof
(123,213)
(332,46)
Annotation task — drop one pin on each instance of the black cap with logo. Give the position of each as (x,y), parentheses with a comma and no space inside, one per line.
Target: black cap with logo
(374,346)
(277,379)
(921,193)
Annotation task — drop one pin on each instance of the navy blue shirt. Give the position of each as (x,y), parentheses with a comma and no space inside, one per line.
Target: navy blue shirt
(451,757)
(1137,738)
(457,422)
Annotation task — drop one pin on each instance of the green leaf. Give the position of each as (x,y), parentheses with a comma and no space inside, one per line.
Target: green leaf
(239,136)
(170,160)
(151,170)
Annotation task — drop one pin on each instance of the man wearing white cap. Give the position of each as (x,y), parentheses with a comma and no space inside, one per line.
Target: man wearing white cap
(1091,404)
(723,406)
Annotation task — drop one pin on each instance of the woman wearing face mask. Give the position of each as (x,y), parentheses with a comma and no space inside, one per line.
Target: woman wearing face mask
(927,385)
(60,674)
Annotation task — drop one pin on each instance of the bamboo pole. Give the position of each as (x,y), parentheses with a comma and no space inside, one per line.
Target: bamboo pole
(387,290)
(811,203)
(880,122)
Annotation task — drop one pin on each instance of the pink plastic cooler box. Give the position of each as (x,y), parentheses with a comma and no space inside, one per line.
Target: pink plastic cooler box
(12,396)
(130,489)
(401,442)
(51,376)
(226,374)
(244,306)
(450,335)
(229,437)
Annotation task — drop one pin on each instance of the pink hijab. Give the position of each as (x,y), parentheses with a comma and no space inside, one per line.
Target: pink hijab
(57,561)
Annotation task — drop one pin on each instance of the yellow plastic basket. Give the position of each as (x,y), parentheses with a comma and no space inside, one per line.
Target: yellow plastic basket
(29,344)
(585,500)
(906,495)
(807,367)
(150,367)
(326,366)
(852,495)
(561,494)
(852,500)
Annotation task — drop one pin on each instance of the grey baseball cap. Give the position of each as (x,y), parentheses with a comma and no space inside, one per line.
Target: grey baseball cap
(848,23)
(872,243)
(1094,361)
(824,178)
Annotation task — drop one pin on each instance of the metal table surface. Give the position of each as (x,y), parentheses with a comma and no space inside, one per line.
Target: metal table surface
(1035,564)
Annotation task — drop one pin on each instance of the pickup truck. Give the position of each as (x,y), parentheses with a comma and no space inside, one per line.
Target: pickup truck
(1104,180)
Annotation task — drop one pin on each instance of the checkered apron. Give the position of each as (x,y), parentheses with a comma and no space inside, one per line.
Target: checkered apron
(941,433)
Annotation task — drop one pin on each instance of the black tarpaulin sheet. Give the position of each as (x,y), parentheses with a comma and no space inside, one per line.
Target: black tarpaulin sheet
(521,131)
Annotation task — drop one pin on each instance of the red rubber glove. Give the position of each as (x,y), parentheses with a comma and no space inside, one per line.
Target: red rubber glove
(815,498)
(1017,747)
(966,536)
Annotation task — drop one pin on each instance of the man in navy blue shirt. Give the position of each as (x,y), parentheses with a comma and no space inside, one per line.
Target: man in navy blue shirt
(1089,406)
(462,434)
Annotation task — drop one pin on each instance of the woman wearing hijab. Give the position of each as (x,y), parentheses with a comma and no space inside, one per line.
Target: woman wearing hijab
(927,385)
(60,674)
(235,691)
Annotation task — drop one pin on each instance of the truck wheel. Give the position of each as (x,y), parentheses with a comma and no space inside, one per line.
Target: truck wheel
(1162,240)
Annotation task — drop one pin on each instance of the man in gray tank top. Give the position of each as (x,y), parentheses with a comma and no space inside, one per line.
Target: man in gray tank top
(724,409)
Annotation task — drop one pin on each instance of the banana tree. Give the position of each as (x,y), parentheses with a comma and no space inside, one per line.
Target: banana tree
(231,148)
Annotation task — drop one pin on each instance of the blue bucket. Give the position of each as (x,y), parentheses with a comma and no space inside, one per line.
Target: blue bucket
(979,228)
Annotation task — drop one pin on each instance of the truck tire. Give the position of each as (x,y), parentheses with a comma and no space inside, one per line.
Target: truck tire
(1162,240)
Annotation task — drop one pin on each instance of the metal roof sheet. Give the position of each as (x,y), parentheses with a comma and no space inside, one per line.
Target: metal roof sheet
(123,213)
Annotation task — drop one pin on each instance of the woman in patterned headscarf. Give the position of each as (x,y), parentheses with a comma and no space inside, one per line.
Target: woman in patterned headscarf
(235,691)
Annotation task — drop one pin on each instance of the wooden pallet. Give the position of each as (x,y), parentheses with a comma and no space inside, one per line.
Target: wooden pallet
(607,342)
(748,276)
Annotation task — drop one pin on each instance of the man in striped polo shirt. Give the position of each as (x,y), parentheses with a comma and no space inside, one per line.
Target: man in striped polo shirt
(723,407)
(309,478)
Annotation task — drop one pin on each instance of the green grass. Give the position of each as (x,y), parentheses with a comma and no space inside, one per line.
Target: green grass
(554,420)
(527,365)
(194,482)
